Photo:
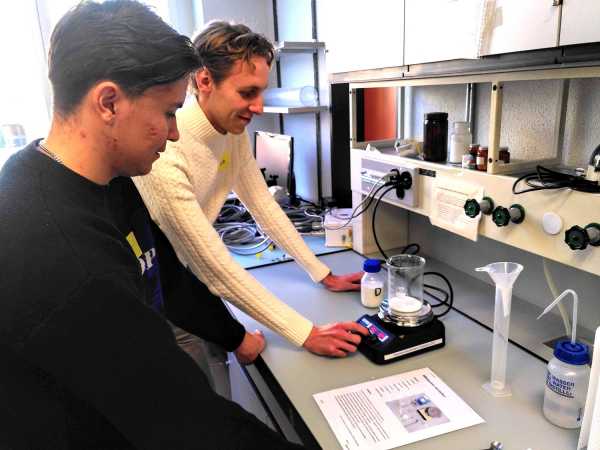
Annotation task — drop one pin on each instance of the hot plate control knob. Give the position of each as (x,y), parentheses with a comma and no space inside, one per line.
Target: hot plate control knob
(503,216)
(473,207)
(578,238)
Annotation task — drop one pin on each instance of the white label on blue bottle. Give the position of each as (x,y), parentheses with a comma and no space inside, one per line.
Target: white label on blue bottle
(561,387)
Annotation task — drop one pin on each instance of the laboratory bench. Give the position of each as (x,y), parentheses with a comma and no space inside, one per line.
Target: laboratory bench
(286,377)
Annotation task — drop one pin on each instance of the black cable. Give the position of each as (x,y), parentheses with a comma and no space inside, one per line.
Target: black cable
(450,294)
(314,205)
(441,302)
(547,179)
(375,215)
(448,301)
(372,198)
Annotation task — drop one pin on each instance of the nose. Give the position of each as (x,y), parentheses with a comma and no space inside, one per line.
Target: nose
(256,107)
(173,134)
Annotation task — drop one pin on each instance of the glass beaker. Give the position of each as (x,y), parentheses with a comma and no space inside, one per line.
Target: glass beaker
(405,283)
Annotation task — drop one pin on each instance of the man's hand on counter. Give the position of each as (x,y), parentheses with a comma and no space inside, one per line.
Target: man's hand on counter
(335,339)
(339,283)
(252,345)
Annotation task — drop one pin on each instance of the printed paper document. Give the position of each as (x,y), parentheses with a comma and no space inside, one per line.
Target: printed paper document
(394,411)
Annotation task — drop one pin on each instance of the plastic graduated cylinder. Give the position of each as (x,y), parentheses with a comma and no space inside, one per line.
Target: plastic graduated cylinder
(504,275)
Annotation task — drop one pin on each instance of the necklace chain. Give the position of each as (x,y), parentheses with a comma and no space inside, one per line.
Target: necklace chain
(45,150)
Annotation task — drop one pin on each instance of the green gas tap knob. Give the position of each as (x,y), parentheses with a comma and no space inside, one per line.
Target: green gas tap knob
(473,207)
(503,216)
(578,238)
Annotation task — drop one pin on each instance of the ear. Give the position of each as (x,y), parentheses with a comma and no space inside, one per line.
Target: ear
(204,81)
(107,100)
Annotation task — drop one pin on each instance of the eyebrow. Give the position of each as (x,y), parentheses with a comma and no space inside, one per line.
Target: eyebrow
(254,86)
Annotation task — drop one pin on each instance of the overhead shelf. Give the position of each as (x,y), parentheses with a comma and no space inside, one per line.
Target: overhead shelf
(293,109)
(299,46)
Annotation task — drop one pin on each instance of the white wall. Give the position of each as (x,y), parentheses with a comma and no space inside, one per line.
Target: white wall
(294,18)
(257,14)
(582,133)
(450,99)
(528,117)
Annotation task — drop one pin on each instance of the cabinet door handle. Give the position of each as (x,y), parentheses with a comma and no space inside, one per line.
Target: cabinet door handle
(556,2)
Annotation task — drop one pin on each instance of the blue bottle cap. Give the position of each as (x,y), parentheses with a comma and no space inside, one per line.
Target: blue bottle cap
(577,354)
(372,265)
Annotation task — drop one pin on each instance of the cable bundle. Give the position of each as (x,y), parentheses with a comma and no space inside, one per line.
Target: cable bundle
(545,179)
(242,235)
(239,232)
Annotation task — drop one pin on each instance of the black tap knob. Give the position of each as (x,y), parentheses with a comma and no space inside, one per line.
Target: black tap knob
(473,207)
(502,216)
(578,238)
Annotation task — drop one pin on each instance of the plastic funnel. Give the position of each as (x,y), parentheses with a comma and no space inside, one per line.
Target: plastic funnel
(504,275)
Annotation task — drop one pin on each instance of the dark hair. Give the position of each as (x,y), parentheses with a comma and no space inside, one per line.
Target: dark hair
(220,44)
(118,40)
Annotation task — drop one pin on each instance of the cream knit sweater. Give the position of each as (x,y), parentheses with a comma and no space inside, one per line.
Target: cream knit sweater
(184,193)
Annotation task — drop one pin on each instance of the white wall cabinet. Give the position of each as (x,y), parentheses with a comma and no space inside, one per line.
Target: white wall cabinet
(579,24)
(361,35)
(514,26)
(441,30)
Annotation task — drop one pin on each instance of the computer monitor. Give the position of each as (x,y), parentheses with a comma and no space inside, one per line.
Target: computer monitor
(274,154)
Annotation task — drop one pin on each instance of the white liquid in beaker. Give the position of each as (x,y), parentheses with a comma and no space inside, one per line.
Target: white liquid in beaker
(405,304)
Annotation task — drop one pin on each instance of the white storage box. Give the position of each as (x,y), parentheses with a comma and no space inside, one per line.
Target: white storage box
(338,228)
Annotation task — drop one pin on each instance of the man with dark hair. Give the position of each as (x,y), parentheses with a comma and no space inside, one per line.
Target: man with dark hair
(188,187)
(88,360)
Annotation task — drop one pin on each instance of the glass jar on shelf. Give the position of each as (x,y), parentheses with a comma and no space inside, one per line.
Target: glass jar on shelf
(460,139)
(435,137)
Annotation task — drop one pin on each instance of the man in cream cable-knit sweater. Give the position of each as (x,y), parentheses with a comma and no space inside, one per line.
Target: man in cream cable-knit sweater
(189,184)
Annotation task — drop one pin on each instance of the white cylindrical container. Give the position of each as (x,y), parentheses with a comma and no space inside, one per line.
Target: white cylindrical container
(567,380)
(300,96)
(459,142)
(371,284)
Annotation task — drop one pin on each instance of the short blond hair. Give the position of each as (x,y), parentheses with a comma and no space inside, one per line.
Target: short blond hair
(220,44)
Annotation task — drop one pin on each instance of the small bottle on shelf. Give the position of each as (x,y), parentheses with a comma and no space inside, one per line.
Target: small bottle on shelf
(459,142)
(482,155)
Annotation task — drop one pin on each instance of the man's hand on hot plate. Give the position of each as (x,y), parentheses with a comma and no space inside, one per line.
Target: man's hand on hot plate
(335,339)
